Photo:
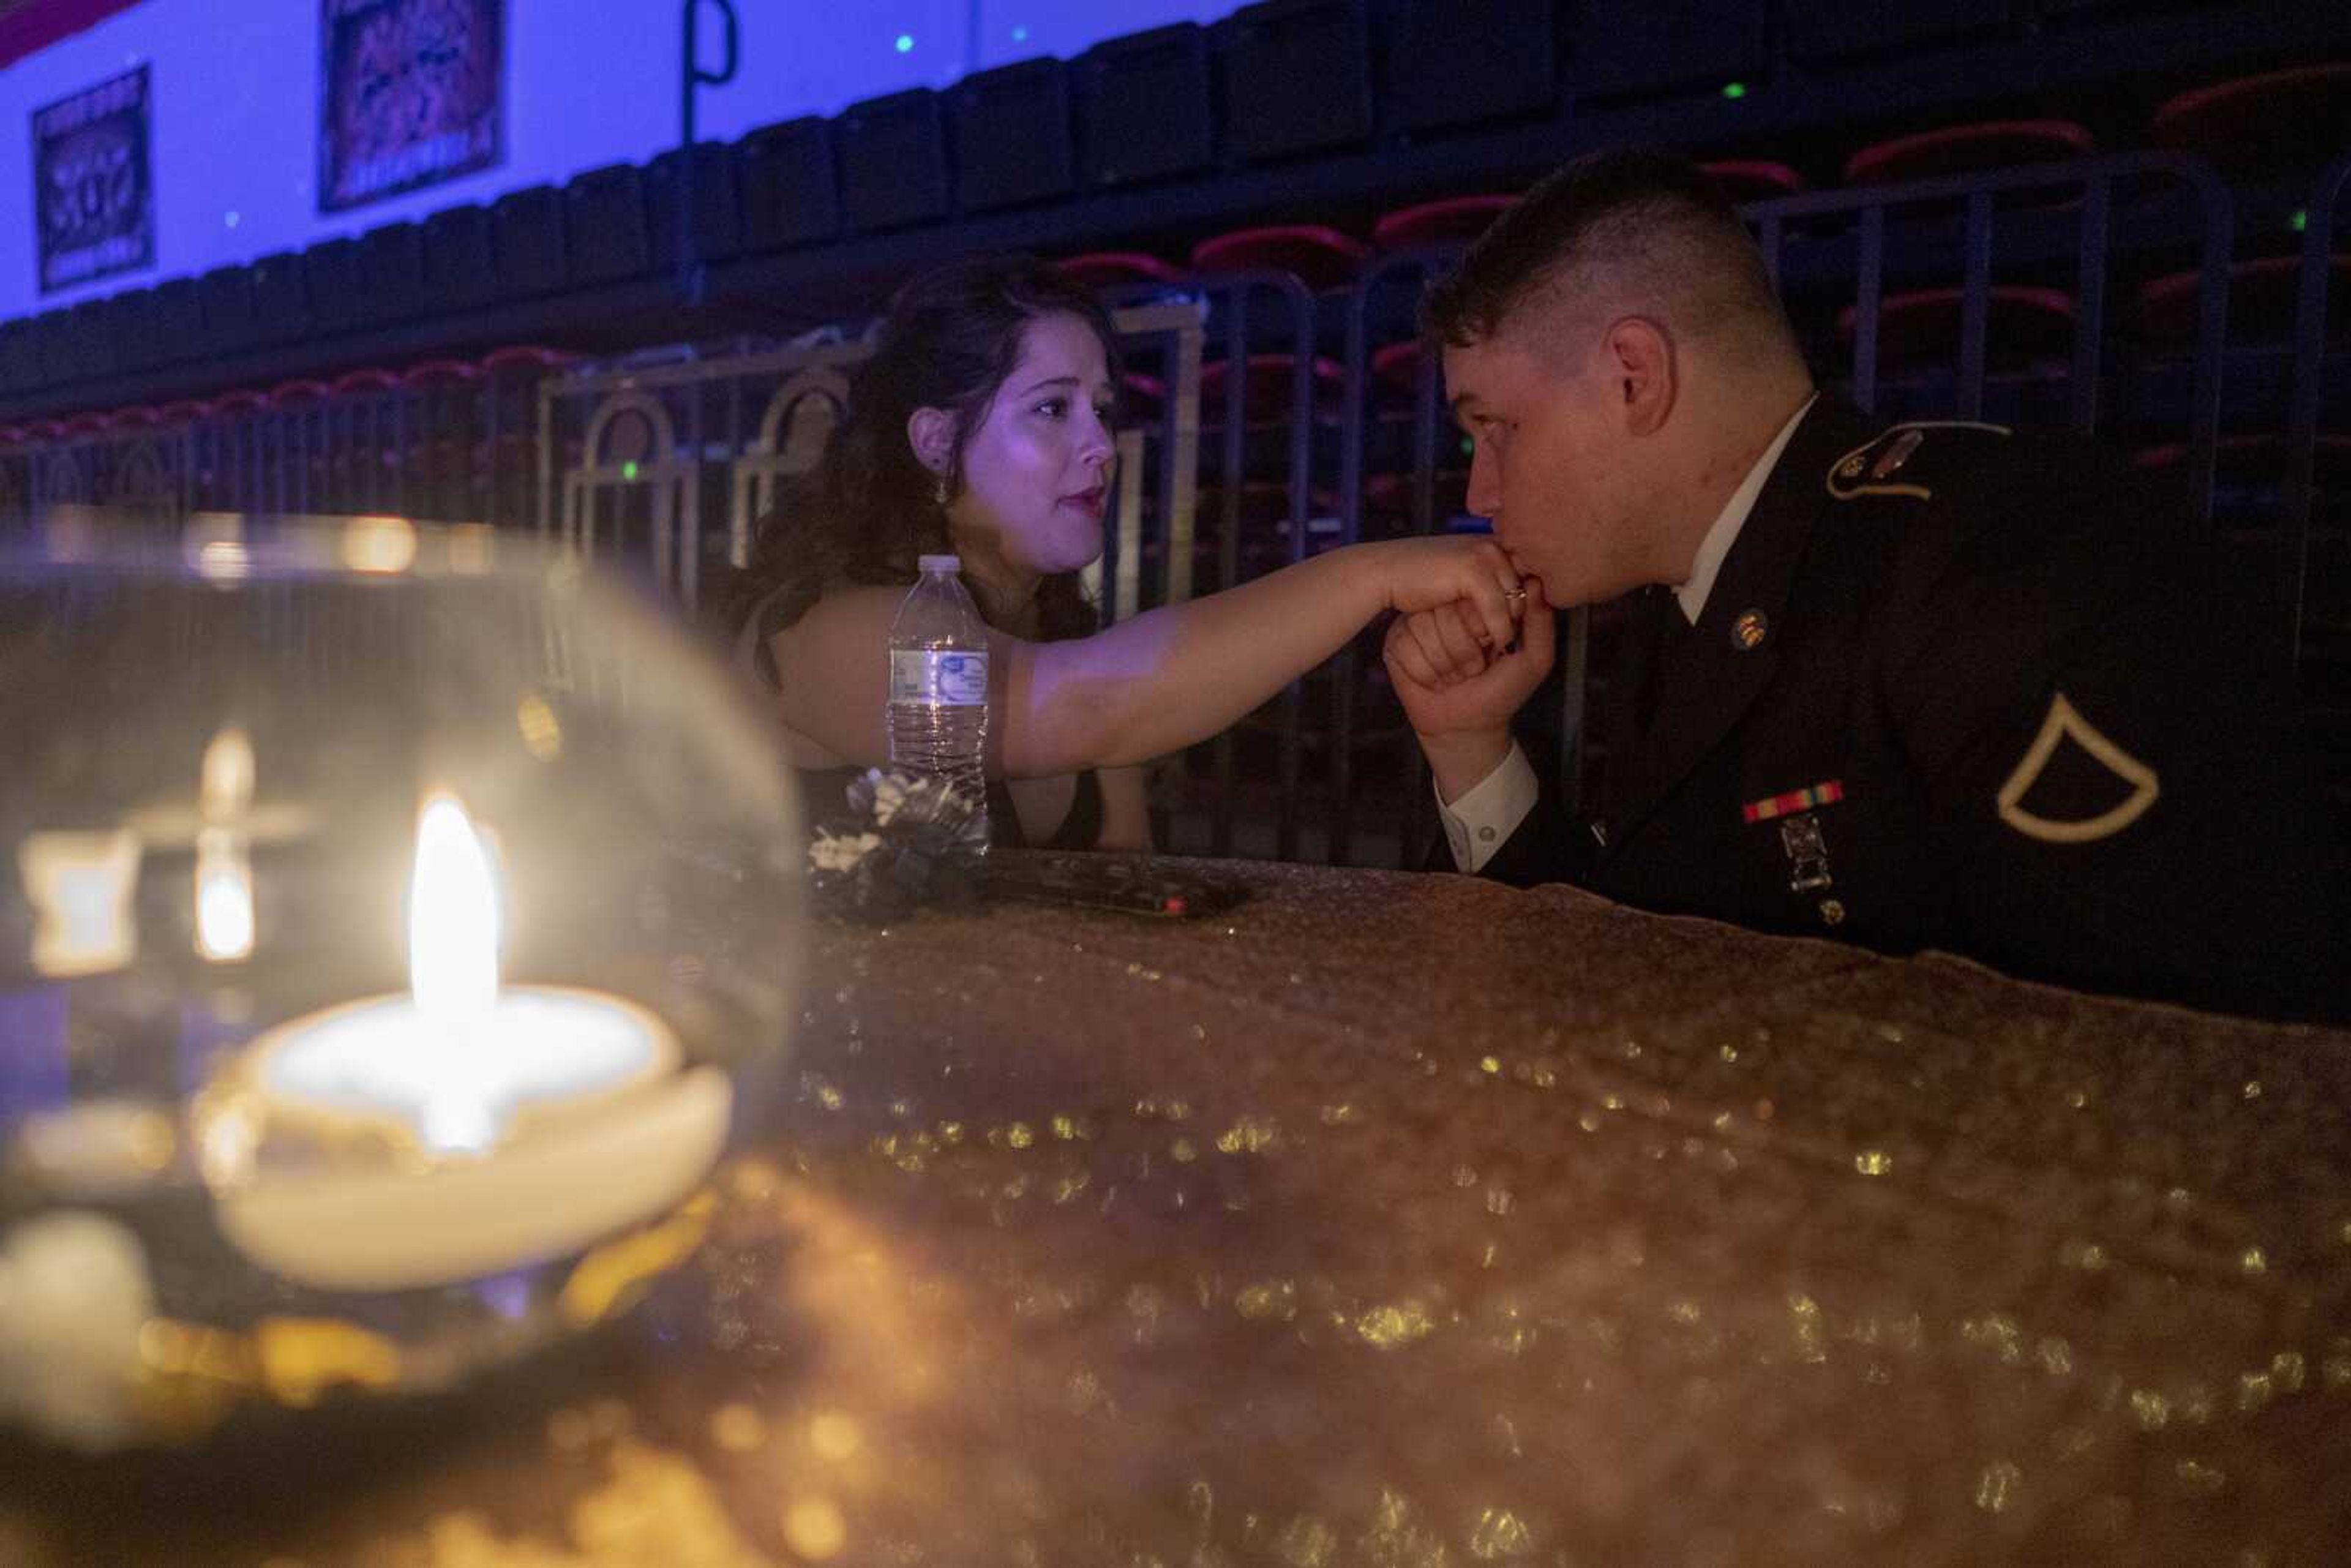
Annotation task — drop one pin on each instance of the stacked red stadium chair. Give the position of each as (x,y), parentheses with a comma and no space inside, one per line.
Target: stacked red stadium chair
(2261,300)
(2253,457)
(1117,268)
(510,429)
(1262,541)
(2275,118)
(1968,149)
(363,458)
(225,450)
(1454,220)
(295,433)
(439,399)
(1320,257)
(1396,366)
(1746,180)
(2028,326)
(1267,390)
(1140,395)
(1389,500)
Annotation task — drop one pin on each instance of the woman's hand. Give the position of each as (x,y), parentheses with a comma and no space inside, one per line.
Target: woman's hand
(1467,571)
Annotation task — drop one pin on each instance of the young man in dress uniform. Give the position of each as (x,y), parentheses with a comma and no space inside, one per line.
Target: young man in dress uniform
(1926,685)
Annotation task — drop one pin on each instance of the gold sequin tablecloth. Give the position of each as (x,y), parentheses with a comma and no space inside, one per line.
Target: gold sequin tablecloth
(1414,1220)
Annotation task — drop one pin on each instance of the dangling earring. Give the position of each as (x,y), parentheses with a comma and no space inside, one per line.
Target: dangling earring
(939,493)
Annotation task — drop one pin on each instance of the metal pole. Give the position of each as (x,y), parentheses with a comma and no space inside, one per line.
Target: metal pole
(691,76)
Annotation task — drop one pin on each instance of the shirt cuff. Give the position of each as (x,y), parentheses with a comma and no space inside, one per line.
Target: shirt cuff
(1490,812)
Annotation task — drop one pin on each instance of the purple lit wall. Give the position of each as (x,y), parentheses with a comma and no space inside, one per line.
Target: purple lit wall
(589,82)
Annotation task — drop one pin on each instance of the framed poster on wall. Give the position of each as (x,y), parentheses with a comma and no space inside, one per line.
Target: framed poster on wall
(412,92)
(94,194)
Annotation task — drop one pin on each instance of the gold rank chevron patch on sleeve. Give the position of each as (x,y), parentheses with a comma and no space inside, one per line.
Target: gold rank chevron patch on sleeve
(2064,722)
(1870,469)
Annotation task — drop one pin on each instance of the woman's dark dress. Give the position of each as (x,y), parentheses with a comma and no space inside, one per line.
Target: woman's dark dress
(824,791)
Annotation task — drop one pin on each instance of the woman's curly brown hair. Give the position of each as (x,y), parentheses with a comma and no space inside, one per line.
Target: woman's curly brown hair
(870,508)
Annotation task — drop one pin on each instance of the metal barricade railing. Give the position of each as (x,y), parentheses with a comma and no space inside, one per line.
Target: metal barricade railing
(2072,202)
(664,450)
(1405,273)
(225,457)
(2322,214)
(1428,430)
(444,441)
(440,474)
(1234,301)
(65,474)
(668,461)
(655,451)
(15,490)
(1852,247)
(792,432)
(647,448)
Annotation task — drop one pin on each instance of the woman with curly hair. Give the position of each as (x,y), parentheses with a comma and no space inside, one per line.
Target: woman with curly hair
(981,427)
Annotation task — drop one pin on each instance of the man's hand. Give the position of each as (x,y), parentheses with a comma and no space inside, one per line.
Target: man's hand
(1467,577)
(1459,693)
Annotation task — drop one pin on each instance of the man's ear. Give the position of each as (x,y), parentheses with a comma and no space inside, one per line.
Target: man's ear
(931,431)
(1645,372)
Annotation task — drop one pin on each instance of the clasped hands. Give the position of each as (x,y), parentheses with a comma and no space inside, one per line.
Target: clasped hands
(1462,671)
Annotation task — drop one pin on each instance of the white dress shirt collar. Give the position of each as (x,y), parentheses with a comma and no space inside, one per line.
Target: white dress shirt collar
(1719,538)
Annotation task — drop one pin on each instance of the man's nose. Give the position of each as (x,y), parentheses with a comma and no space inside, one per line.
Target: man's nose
(1484,494)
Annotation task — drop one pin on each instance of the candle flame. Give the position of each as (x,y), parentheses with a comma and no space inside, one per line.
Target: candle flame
(225,786)
(224,897)
(224,924)
(453,917)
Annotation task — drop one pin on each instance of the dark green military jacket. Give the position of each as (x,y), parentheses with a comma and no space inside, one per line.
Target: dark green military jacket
(1962,688)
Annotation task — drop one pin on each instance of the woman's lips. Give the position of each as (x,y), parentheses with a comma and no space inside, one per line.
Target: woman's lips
(1087,501)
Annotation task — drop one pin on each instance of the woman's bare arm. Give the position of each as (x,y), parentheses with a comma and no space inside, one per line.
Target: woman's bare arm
(1162,681)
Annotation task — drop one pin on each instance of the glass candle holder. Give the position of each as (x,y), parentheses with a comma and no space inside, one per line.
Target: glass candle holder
(397,928)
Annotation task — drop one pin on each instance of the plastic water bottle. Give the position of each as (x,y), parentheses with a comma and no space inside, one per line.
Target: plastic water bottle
(938,684)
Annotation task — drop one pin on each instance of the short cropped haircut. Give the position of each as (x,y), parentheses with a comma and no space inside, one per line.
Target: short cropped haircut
(1634,231)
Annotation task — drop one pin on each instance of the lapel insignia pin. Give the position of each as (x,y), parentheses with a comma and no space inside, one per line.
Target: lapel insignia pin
(1896,453)
(1747,633)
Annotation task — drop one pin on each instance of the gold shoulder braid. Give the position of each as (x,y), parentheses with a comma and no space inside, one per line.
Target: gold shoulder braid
(1870,469)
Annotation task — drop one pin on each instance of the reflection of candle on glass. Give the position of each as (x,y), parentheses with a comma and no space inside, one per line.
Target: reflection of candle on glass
(81,884)
(223,855)
(524,1123)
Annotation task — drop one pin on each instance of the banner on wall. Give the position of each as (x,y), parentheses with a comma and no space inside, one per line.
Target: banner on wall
(412,93)
(94,194)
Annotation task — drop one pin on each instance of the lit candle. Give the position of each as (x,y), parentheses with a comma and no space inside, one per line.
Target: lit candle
(524,1123)
(223,855)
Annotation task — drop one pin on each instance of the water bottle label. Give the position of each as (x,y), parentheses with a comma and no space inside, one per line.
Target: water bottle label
(938,675)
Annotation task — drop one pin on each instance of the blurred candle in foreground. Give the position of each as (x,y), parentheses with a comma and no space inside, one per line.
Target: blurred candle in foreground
(224,920)
(534,1120)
